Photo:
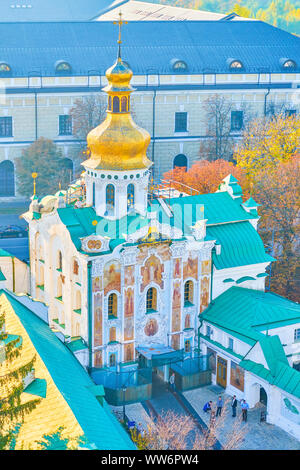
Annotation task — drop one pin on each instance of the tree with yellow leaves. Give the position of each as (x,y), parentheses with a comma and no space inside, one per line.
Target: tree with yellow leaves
(268,142)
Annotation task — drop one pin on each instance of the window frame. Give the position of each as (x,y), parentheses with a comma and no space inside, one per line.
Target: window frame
(112,306)
(6,124)
(297,335)
(188,293)
(65,124)
(179,115)
(151,300)
(236,116)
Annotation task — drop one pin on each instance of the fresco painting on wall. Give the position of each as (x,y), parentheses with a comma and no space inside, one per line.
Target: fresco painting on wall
(112,277)
(129,276)
(151,327)
(129,302)
(187,322)
(163,251)
(237,376)
(129,352)
(98,359)
(177,268)
(190,267)
(97,284)
(176,307)
(206,267)
(152,272)
(97,320)
(143,254)
(128,328)
(175,343)
(204,300)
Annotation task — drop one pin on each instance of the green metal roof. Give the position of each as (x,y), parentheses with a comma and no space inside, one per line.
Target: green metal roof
(248,311)
(5,254)
(240,245)
(100,429)
(2,277)
(250,203)
(38,387)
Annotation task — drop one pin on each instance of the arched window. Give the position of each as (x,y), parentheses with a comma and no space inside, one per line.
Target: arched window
(112,335)
(151,301)
(75,267)
(116,104)
(123,104)
(130,196)
(62,66)
(289,64)
(112,306)
(67,167)
(41,276)
(7,179)
(4,68)
(180,161)
(59,261)
(187,346)
(188,292)
(112,360)
(110,197)
(109,103)
(235,64)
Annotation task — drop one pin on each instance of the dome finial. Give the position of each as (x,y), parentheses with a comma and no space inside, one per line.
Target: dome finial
(120,22)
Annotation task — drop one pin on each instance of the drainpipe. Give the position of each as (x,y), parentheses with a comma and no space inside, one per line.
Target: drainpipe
(36,115)
(13,273)
(153,124)
(90,317)
(265,104)
(211,272)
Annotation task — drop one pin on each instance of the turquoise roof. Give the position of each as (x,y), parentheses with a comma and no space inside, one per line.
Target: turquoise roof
(240,245)
(2,277)
(100,428)
(251,203)
(248,312)
(5,254)
(38,387)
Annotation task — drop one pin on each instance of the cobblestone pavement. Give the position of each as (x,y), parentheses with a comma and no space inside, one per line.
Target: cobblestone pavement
(258,436)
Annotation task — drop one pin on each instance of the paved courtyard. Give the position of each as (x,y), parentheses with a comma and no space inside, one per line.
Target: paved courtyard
(260,436)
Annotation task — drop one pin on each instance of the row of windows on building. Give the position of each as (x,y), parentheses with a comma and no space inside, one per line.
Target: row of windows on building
(151,300)
(65,122)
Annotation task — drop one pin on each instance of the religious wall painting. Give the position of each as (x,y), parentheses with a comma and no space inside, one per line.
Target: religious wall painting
(98,359)
(190,267)
(97,284)
(129,302)
(176,301)
(237,376)
(152,271)
(151,327)
(97,320)
(212,358)
(204,299)
(176,306)
(112,277)
(128,328)
(177,268)
(206,267)
(164,251)
(176,319)
(129,352)
(187,321)
(143,254)
(175,342)
(129,276)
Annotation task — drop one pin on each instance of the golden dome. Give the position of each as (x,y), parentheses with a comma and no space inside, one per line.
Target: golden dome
(118,143)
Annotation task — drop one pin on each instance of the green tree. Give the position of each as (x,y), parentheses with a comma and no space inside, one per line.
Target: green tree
(12,409)
(44,158)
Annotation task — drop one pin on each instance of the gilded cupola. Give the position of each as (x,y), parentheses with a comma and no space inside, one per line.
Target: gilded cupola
(118,143)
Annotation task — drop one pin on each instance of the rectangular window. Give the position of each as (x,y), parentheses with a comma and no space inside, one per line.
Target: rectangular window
(236,120)
(65,124)
(297,335)
(180,122)
(6,126)
(230,344)
(208,331)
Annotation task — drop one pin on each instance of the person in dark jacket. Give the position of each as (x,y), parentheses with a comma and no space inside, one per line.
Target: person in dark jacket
(233,406)
(207,406)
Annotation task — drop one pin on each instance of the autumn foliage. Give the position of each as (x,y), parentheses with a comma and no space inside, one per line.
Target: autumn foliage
(205,176)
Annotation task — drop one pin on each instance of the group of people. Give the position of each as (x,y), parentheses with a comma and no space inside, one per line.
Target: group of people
(219,405)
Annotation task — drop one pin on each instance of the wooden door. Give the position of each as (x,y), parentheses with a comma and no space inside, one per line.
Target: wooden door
(222,372)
